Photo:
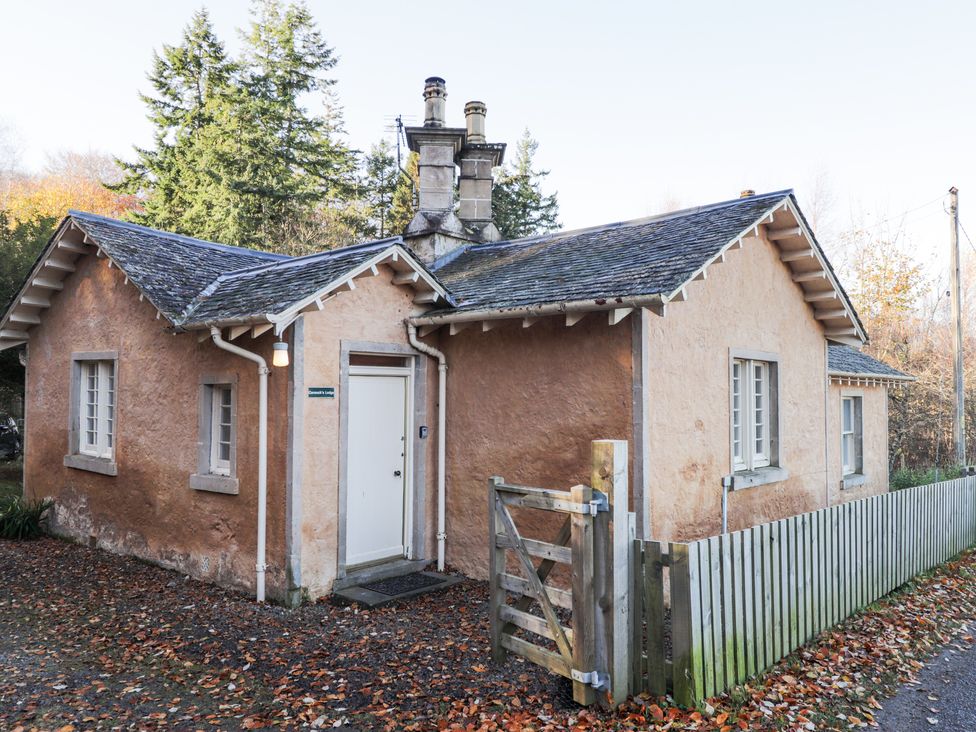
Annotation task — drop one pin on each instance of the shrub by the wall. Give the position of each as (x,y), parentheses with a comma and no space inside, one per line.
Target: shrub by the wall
(911,477)
(22,519)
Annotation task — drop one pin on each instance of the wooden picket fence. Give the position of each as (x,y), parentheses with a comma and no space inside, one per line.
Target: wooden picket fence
(742,601)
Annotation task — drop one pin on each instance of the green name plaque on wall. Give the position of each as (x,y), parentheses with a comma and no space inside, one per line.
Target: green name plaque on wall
(321,392)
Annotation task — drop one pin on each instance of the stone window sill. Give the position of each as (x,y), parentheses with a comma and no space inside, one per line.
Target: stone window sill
(105,466)
(760,476)
(214,483)
(853,480)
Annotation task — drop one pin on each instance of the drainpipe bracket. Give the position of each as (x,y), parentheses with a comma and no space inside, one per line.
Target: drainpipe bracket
(260,567)
(441,535)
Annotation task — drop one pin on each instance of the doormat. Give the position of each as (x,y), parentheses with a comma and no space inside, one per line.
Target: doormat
(404,583)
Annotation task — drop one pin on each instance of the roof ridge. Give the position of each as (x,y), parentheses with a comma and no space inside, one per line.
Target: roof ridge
(631,222)
(193,241)
(325,254)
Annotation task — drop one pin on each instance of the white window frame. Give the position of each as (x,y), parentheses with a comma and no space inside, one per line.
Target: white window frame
(96,410)
(93,440)
(853,462)
(214,473)
(218,411)
(753,410)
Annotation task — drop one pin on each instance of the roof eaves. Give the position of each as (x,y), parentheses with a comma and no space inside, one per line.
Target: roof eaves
(870,375)
(781,196)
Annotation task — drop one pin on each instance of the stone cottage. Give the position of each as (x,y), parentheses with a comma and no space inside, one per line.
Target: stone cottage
(282,425)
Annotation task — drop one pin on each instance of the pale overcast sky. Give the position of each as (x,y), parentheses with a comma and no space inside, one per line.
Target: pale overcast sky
(637,105)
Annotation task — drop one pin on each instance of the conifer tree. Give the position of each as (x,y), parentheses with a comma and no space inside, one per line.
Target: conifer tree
(381,178)
(520,207)
(284,159)
(186,79)
(404,202)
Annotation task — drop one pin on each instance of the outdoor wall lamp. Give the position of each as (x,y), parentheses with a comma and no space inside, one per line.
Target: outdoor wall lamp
(280,357)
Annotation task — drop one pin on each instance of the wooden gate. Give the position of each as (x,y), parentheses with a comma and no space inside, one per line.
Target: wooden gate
(587,624)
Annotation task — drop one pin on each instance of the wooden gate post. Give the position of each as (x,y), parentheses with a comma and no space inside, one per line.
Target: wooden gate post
(496,566)
(584,627)
(609,475)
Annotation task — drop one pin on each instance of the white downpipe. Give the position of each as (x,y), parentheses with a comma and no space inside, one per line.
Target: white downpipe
(441,438)
(263,371)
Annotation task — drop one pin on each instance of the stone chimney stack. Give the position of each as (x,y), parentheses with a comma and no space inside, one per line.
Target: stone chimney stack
(477,158)
(474,118)
(435,101)
(436,230)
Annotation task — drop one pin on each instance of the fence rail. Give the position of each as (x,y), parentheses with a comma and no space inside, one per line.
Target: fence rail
(742,601)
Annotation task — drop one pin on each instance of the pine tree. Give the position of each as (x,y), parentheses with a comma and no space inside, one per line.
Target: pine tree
(404,202)
(186,79)
(284,160)
(381,178)
(519,205)
(237,156)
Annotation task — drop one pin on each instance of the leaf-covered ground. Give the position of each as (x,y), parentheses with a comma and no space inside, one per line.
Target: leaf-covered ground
(89,640)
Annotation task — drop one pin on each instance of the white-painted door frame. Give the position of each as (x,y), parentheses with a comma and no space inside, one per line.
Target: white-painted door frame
(406,372)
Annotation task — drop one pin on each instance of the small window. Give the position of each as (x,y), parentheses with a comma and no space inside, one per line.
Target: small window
(851,435)
(753,413)
(96,412)
(220,429)
(374,359)
(217,446)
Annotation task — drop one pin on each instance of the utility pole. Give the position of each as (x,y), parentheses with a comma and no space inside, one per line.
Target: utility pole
(959,423)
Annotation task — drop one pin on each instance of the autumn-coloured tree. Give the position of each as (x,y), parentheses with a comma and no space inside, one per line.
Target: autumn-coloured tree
(30,208)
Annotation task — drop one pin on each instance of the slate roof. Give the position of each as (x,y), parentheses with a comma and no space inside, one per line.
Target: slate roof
(847,361)
(169,268)
(193,282)
(644,257)
(272,288)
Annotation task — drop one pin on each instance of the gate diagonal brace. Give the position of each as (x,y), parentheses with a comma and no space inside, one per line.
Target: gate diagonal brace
(596,679)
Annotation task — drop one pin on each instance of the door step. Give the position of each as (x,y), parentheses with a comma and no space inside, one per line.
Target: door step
(391,589)
(374,572)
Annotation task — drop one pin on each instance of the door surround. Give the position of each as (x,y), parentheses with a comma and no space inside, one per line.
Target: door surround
(416,463)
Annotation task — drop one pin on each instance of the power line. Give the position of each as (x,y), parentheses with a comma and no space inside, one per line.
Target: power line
(908,211)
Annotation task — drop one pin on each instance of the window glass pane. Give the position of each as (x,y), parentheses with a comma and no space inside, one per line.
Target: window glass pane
(759,398)
(737,410)
(221,417)
(848,415)
(846,444)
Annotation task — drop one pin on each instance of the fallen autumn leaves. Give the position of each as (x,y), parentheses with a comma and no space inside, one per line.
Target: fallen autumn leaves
(89,640)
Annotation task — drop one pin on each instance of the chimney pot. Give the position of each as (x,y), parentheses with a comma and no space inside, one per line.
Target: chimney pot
(748,192)
(474,115)
(435,98)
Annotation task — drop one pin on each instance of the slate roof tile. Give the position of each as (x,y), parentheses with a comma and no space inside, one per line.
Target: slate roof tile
(843,360)
(274,287)
(195,282)
(644,257)
(169,268)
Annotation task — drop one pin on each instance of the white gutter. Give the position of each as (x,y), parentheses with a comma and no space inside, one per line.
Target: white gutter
(263,371)
(441,437)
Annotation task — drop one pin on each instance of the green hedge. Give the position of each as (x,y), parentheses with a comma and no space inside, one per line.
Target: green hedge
(911,477)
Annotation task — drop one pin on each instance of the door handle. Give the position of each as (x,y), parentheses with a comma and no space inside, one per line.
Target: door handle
(396,473)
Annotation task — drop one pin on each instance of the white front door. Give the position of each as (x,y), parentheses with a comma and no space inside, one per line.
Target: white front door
(376,478)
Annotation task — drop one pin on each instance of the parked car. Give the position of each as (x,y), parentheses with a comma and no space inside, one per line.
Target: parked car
(10,447)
